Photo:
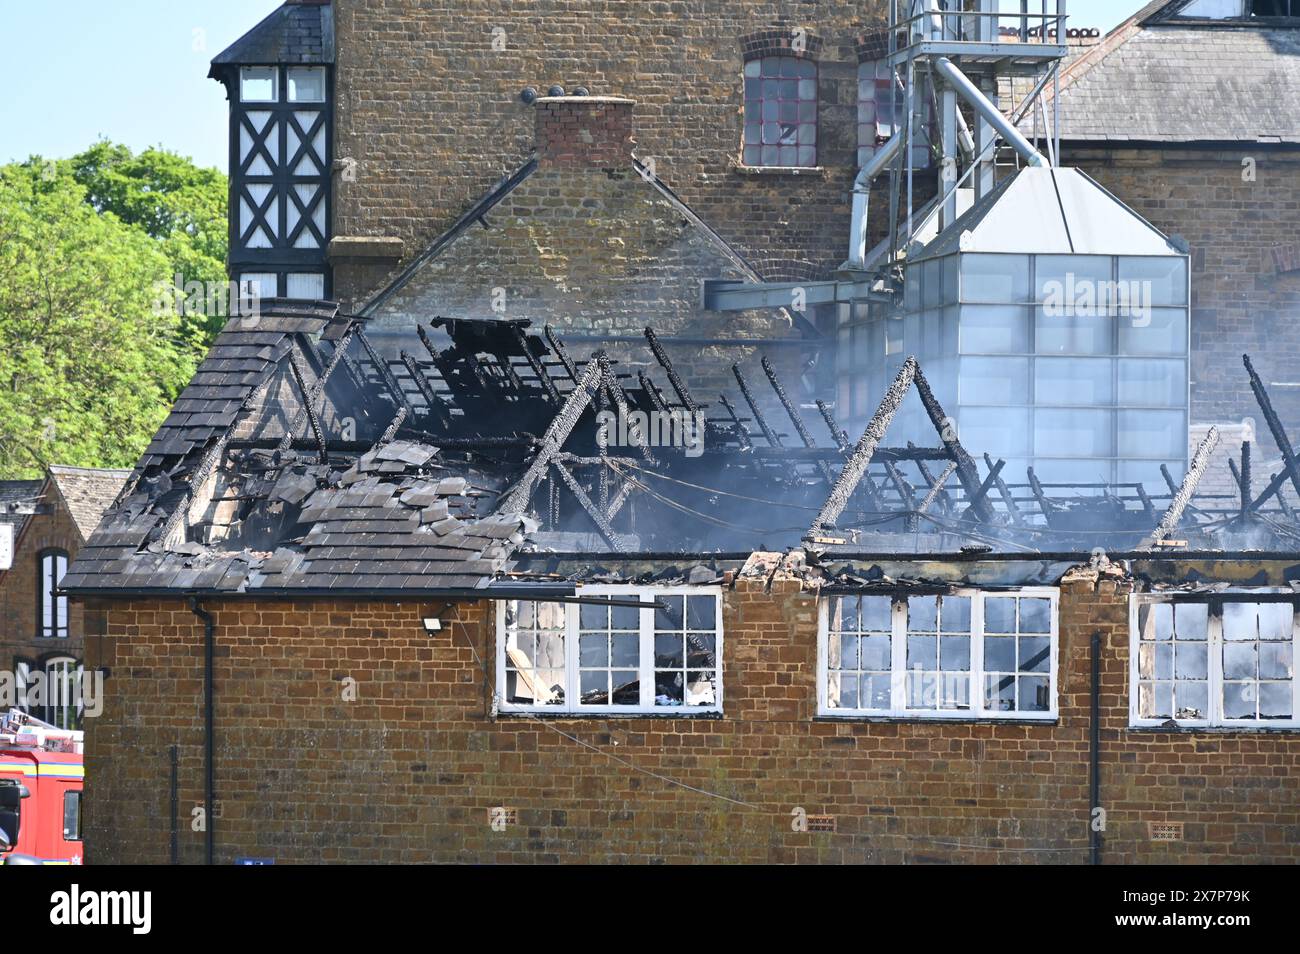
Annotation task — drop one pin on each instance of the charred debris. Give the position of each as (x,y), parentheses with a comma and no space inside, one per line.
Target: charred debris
(307,457)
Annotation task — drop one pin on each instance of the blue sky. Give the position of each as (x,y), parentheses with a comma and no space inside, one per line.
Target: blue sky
(135,71)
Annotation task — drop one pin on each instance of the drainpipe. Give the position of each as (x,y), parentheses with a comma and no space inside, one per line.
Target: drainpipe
(1094,754)
(862,193)
(988,112)
(209,732)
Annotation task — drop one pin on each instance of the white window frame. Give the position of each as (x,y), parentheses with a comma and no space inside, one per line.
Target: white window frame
(1214,664)
(572,706)
(275,84)
(290,72)
(898,709)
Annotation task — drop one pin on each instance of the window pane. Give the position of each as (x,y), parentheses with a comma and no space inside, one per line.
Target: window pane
(306,84)
(305,285)
(1073,381)
(1161,281)
(994,381)
(257,84)
(1073,334)
(534,653)
(996,279)
(1074,284)
(1158,331)
(994,329)
(1149,381)
(1060,432)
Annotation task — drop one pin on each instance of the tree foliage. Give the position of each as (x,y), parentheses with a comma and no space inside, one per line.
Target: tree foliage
(89,364)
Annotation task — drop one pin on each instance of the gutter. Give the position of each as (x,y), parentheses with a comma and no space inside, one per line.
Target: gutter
(209,728)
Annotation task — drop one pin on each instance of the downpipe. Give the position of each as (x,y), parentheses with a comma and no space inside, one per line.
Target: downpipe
(209,729)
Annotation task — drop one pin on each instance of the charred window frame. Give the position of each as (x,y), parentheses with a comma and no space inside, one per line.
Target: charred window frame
(963,654)
(51,606)
(781,103)
(1221,661)
(586,659)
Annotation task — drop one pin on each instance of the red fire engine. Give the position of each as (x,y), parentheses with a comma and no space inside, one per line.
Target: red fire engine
(41,774)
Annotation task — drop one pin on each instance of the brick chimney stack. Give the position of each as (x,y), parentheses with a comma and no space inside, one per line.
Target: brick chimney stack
(584,131)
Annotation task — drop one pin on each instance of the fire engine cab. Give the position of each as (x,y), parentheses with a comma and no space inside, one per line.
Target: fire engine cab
(41,775)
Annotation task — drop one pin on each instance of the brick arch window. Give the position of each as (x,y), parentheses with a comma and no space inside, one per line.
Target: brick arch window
(51,607)
(780,100)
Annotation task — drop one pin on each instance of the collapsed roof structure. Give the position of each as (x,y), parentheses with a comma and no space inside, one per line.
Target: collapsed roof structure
(302,460)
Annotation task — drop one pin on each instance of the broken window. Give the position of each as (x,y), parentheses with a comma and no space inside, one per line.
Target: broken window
(880,112)
(591,658)
(962,654)
(1213,661)
(780,112)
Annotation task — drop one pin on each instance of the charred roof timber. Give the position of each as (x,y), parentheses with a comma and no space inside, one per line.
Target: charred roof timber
(307,458)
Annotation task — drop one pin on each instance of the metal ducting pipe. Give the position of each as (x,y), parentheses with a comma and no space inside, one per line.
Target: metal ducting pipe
(862,194)
(988,112)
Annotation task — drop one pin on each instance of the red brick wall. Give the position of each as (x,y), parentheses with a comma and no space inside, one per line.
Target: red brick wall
(409,771)
(19,586)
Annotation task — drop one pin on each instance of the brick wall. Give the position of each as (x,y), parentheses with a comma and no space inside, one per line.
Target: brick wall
(429,107)
(1241,302)
(20,584)
(409,771)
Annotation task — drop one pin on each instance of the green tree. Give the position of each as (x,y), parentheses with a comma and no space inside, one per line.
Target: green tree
(88,365)
(181,206)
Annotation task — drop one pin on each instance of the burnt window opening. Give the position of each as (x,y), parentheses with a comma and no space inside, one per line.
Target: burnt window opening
(965,654)
(780,112)
(594,659)
(1216,661)
(52,607)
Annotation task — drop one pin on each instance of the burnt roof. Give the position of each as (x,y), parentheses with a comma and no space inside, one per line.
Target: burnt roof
(306,459)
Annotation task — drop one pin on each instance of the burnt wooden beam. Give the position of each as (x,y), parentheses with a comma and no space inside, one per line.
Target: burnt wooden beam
(906,493)
(385,375)
(795,418)
(936,487)
(390,432)
(557,432)
(738,426)
(967,472)
(312,417)
(613,389)
(1147,506)
(431,398)
(679,386)
(318,389)
(768,434)
(651,391)
(927,475)
(1036,488)
(1289,463)
(603,525)
(539,369)
(982,492)
(1005,493)
(1200,461)
(838,434)
(856,466)
(557,346)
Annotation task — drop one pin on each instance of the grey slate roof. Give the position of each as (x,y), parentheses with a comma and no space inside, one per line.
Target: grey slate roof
(1186,82)
(87,492)
(298,32)
(15,495)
